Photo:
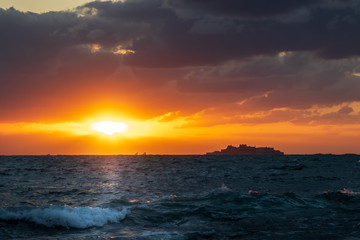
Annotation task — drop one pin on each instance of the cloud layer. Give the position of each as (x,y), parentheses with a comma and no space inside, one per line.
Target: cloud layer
(279,59)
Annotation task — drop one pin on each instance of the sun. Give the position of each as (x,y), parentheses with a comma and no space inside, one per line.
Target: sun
(109,127)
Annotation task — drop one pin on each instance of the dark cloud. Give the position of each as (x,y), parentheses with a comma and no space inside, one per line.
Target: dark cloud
(295,80)
(236,8)
(163,38)
(204,39)
(262,54)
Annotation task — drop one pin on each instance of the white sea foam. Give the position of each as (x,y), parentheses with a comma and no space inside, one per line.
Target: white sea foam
(65,216)
(349,192)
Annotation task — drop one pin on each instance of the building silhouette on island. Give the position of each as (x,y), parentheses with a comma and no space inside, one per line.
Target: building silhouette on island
(243,149)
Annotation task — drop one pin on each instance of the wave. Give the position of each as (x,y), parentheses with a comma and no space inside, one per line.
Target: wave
(342,196)
(65,216)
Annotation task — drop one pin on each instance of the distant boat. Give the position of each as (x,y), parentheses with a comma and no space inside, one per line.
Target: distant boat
(144,154)
(243,149)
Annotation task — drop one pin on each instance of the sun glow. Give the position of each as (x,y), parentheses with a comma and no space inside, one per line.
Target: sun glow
(109,127)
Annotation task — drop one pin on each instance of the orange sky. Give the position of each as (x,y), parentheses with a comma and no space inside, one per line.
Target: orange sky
(183,84)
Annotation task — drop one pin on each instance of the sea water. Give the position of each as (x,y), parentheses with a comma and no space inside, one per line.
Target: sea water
(180,197)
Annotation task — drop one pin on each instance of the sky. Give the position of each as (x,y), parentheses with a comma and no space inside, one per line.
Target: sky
(185,76)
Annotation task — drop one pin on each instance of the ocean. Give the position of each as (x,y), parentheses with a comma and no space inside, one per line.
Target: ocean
(180,197)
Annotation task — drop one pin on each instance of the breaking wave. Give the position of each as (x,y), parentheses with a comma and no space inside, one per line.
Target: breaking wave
(65,216)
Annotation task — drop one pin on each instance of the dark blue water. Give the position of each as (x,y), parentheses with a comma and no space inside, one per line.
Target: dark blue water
(180,197)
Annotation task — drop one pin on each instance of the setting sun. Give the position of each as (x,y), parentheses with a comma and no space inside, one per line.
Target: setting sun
(109,127)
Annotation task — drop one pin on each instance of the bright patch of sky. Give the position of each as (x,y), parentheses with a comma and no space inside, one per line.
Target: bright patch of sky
(40,6)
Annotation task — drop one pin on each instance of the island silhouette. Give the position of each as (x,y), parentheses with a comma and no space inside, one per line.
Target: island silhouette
(243,149)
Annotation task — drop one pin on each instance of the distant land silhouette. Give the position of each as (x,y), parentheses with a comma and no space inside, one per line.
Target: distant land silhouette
(243,149)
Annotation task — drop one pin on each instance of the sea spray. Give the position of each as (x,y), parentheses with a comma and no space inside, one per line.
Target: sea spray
(65,216)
